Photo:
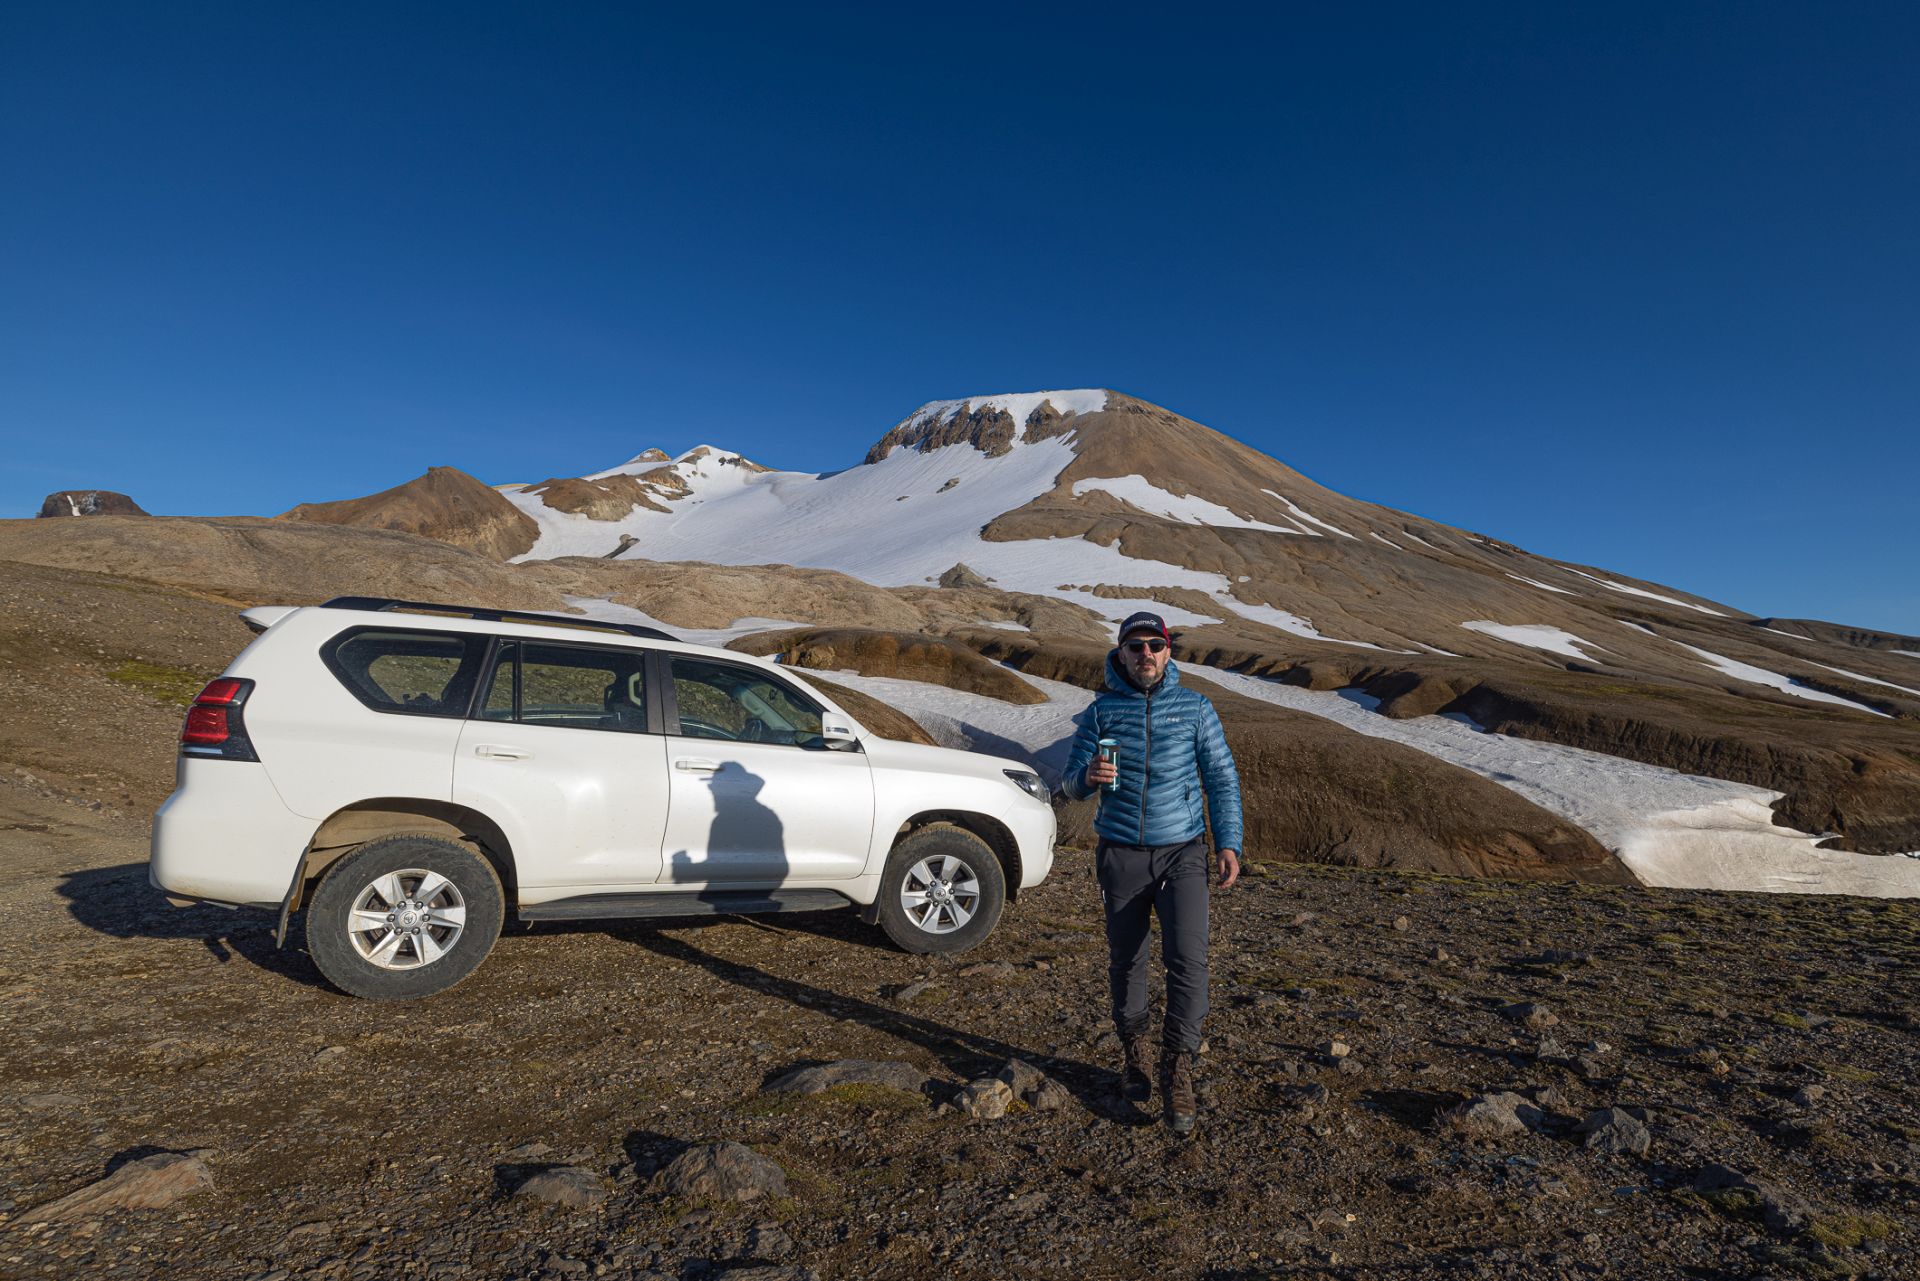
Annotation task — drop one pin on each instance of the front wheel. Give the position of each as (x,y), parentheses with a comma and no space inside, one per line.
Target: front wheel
(942,891)
(404,917)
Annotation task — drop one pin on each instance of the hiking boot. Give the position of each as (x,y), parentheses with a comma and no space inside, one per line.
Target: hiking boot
(1136,1085)
(1176,1084)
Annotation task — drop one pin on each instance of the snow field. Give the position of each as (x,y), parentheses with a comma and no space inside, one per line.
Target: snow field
(896,522)
(1683,831)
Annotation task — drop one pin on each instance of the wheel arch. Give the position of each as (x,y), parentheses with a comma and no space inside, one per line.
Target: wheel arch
(997,835)
(351,826)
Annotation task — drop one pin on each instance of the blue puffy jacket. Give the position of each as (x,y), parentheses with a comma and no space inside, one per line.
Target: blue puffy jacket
(1171,746)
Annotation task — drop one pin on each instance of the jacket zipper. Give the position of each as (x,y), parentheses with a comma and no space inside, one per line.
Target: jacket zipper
(1146,766)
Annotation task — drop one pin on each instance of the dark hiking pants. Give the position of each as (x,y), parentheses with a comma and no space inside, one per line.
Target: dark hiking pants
(1137,881)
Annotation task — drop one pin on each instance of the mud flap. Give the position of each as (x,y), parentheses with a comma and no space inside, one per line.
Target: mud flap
(288,903)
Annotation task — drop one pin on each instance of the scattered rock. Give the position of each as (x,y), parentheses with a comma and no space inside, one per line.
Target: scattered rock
(1335,1049)
(1494,1115)
(1808,1095)
(1033,1087)
(151,1183)
(527,1152)
(1402,924)
(51,1102)
(1615,1130)
(1784,1212)
(986,1099)
(569,1186)
(722,1172)
(1527,1014)
(824,1076)
(768,1241)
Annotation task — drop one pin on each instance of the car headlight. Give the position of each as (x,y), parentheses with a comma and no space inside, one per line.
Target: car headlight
(1030,783)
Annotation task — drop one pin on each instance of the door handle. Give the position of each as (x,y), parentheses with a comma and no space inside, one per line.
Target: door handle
(695,763)
(498,752)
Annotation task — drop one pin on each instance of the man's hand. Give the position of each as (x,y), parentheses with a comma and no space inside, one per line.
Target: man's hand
(1100,773)
(1229,868)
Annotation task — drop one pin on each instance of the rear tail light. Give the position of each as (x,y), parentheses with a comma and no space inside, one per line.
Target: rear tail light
(216,728)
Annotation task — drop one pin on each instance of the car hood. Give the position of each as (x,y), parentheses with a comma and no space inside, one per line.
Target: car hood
(888,753)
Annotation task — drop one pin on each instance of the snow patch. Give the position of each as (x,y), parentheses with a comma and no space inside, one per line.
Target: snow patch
(1686,831)
(1388,541)
(1190,510)
(1774,680)
(1871,680)
(1538,636)
(1423,542)
(1641,591)
(1639,627)
(1545,587)
(1311,520)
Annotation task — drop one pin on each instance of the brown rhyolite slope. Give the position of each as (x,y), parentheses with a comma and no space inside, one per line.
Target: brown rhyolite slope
(902,655)
(691,594)
(444,504)
(90,502)
(251,560)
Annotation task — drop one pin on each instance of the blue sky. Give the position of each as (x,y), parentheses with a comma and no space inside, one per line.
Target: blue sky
(1637,286)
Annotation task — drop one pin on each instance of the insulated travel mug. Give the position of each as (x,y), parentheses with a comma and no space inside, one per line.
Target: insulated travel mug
(1110,751)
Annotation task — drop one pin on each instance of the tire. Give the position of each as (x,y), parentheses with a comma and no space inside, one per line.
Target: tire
(398,964)
(943,856)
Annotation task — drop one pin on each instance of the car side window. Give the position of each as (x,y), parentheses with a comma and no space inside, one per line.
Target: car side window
(739,704)
(408,672)
(568,686)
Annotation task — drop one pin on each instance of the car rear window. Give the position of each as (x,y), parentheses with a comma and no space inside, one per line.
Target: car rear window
(407,672)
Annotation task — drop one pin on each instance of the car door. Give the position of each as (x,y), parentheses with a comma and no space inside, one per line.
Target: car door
(564,753)
(757,796)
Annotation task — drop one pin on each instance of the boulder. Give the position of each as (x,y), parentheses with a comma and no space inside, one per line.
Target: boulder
(151,1183)
(891,1073)
(722,1172)
(986,1099)
(1616,1130)
(1496,1115)
(569,1186)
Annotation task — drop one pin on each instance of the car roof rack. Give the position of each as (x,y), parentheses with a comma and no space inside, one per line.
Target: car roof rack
(485,615)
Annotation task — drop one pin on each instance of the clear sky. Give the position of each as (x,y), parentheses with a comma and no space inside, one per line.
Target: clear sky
(1632,285)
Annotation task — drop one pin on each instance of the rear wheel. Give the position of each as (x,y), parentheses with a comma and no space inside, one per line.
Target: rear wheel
(404,917)
(942,891)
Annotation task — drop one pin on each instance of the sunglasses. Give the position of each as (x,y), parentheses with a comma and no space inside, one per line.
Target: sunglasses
(1151,646)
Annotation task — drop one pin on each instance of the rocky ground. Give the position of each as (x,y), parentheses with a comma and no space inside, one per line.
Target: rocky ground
(550,1117)
(1539,1079)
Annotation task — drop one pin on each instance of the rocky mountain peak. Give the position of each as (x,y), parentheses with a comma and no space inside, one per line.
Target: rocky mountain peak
(991,424)
(90,502)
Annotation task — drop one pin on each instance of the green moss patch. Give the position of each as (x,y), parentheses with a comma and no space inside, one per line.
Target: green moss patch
(175,685)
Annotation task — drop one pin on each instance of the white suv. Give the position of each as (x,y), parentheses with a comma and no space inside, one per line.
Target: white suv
(413,773)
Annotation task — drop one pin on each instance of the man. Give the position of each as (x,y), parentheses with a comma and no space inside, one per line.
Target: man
(1151,858)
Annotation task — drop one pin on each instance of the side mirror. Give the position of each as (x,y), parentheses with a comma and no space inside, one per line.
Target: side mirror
(838,735)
